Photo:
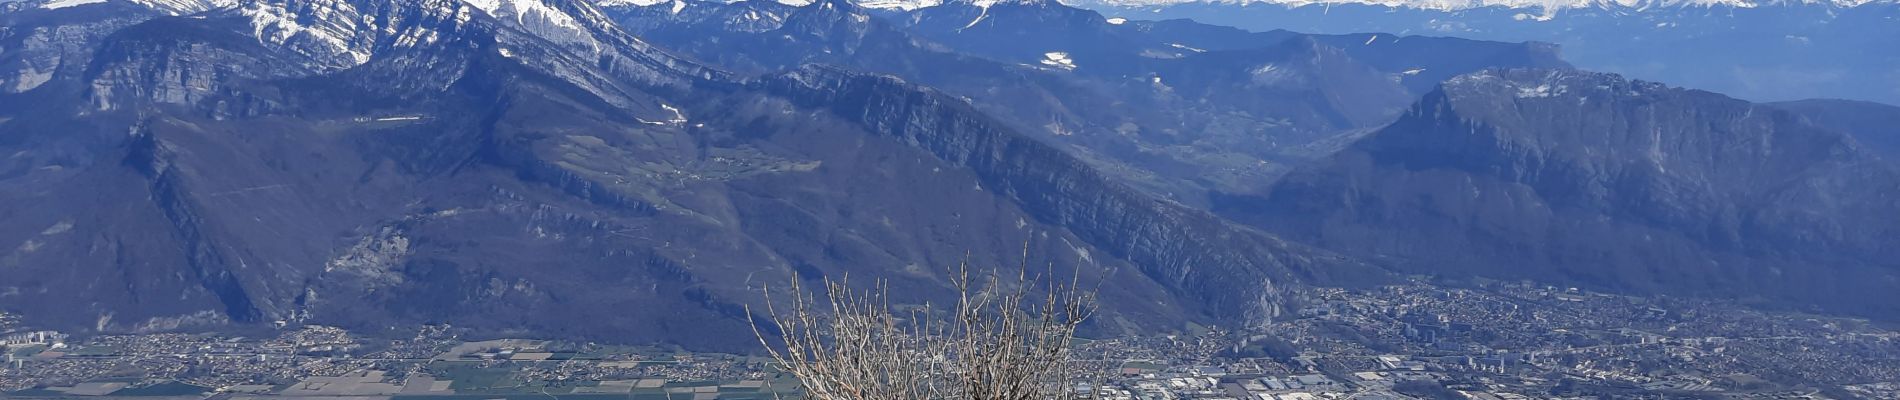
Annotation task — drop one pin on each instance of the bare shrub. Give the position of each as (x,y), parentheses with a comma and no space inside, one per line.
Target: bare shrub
(1000,343)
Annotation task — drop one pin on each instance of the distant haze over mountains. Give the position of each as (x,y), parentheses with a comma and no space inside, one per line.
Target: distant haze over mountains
(1453,5)
(1448,5)
(1757,50)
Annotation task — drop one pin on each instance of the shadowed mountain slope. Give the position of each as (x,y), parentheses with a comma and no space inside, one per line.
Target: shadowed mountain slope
(527,168)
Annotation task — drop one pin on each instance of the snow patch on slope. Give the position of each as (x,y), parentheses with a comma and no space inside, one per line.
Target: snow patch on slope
(905,5)
(979,18)
(1271,74)
(679,118)
(58,4)
(1059,60)
(635,3)
(1455,5)
(185,7)
(1540,91)
(911,4)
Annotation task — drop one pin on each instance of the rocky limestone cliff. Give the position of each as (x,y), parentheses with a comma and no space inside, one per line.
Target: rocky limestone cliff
(1607,182)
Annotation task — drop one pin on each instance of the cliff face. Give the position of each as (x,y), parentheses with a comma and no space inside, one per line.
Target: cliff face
(1607,182)
(39,44)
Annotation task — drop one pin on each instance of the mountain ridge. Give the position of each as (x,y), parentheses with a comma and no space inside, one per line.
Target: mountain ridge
(1545,5)
(1174,107)
(1607,182)
(514,178)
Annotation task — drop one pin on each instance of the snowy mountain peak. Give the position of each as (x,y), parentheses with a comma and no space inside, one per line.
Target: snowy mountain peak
(993,3)
(905,5)
(545,20)
(678,4)
(330,32)
(634,3)
(1453,5)
(173,7)
(182,7)
(339,34)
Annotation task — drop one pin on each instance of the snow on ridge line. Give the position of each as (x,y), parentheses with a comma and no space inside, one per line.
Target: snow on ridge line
(903,5)
(168,6)
(1455,5)
(1442,5)
(635,3)
(912,4)
(548,21)
(174,7)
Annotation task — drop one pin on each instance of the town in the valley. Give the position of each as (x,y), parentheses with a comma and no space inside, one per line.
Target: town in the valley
(1416,341)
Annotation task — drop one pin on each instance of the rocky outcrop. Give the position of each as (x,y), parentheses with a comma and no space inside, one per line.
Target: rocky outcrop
(38,46)
(178,62)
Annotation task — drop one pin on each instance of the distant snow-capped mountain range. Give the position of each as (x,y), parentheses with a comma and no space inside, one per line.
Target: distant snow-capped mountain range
(1444,5)
(193,6)
(1452,5)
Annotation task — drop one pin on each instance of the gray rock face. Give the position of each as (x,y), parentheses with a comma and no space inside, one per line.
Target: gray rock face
(170,61)
(39,44)
(1607,182)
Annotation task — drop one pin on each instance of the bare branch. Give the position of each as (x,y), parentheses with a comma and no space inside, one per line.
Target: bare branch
(1001,342)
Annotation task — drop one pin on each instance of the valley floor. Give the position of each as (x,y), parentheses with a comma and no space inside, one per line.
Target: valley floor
(1491,341)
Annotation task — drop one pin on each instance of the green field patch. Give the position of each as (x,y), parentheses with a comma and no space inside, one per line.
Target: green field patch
(471,376)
